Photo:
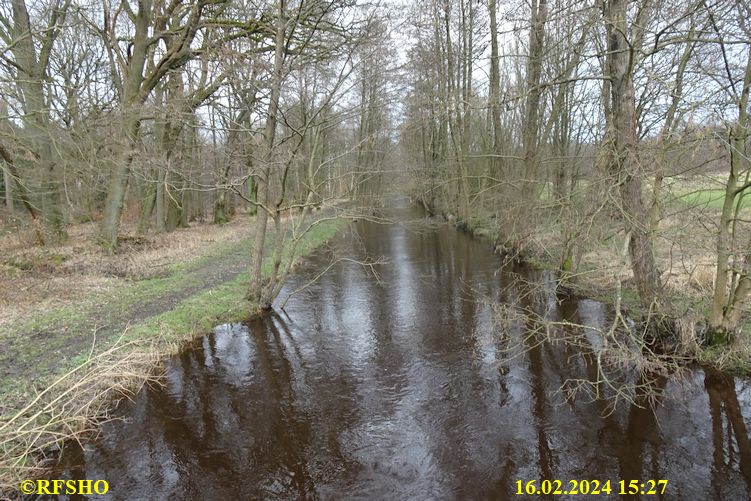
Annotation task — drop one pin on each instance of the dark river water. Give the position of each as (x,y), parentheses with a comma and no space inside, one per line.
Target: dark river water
(401,387)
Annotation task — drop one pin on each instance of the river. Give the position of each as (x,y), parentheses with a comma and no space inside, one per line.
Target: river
(400,386)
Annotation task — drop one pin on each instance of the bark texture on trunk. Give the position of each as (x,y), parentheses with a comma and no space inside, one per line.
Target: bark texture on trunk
(733,284)
(258,292)
(118,182)
(530,133)
(31,66)
(624,161)
(136,88)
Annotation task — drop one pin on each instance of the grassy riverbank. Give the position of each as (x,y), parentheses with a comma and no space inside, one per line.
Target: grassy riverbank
(80,327)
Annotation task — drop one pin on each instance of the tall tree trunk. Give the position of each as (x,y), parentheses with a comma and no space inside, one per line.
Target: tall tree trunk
(253,194)
(495,87)
(118,186)
(7,178)
(257,291)
(147,205)
(468,21)
(160,209)
(220,215)
(8,190)
(727,298)
(23,193)
(174,202)
(666,131)
(624,162)
(530,133)
(118,182)
(36,118)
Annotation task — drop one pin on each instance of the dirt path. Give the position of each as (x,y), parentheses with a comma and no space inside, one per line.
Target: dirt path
(39,345)
(46,343)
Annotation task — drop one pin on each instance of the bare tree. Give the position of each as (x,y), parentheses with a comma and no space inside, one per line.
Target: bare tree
(733,276)
(624,161)
(530,134)
(31,63)
(174,29)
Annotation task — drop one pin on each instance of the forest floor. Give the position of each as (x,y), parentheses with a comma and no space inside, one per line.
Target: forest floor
(64,306)
(685,251)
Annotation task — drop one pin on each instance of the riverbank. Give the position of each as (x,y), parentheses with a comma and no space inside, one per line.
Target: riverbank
(685,252)
(81,328)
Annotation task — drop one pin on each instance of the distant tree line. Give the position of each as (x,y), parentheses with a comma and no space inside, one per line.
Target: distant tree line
(159,112)
(574,113)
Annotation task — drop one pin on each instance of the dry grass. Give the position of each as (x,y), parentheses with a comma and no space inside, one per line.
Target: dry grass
(685,243)
(44,278)
(72,406)
(732,358)
(686,258)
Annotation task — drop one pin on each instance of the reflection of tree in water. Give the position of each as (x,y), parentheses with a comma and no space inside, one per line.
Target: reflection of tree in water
(629,431)
(641,433)
(723,397)
(628,442)
(299,442)
(201,412)
(531,301)
(290,431)
(213,423)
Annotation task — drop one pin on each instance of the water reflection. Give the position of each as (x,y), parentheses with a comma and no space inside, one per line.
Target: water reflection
(403,390)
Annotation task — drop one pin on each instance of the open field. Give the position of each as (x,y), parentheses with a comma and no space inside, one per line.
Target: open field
(706,192)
